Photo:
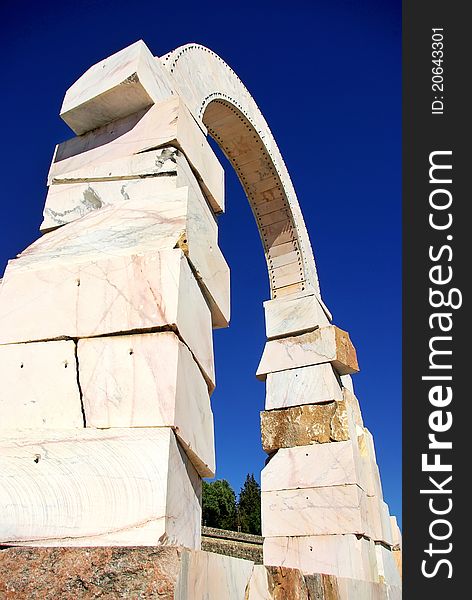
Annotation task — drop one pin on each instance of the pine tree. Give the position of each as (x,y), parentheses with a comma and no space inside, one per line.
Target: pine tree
(249,506)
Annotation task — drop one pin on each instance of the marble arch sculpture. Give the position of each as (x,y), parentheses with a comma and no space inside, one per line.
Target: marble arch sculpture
(106,351)
(219,101)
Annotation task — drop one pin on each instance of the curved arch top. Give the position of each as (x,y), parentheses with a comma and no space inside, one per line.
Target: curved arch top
(220,102)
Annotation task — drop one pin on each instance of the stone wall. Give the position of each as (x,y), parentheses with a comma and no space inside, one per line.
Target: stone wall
(233,543)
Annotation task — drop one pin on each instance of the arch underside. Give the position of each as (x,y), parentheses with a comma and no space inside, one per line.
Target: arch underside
(244,149)
(223,106)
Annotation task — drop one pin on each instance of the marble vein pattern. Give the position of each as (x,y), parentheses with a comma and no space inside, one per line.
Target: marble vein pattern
(96,186)
(85,487)
(326,344)
(166,123)
(146,223)
(293,315)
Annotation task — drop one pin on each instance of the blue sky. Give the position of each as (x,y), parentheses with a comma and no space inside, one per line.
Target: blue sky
(327,78)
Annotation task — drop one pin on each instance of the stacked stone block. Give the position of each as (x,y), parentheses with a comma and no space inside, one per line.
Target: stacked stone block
(106,352)
(322,503)
(106,321)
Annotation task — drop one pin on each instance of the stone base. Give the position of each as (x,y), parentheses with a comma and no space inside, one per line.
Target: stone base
(165,573)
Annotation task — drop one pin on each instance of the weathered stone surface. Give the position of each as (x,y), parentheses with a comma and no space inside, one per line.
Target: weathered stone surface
(304,425)
(306,385)
(88,487)
(233,543)
(284,583)
(293,315)
(148,380)
(120,85)
(167,573)
(326,344)
(39,386)
(73,198)
(88,573)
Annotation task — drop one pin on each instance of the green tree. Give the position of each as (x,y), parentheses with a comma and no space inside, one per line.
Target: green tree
(218,505)
(249,506)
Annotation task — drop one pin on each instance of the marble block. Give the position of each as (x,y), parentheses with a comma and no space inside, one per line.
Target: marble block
(398,558)
(39,386)
(293,315)
(329,510)
(167,123)
(378,517)
(162,162)
(396,533)
(341,555)
(367,449)
(305,385)
(96,186)
(352,401)
(120,85)
(318,465)
(148,380)
(102,297)
(145,223)
(68,202)
(355,589)
(214,577)
(124,229)
(346,381)
(89,487)
(259,584)
(386,566)
(326,344)
(304,425)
